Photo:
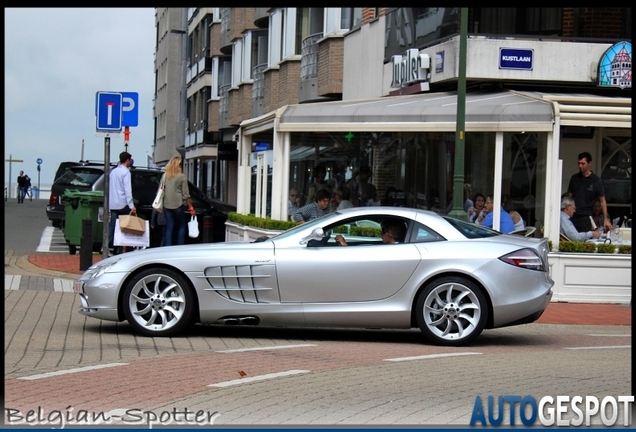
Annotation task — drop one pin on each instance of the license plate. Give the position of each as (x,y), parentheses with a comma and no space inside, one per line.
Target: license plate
(78,286)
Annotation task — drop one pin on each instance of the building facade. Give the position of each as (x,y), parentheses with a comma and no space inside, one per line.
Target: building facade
(274,92)
(169,102)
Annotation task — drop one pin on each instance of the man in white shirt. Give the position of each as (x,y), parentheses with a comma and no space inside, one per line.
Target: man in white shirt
(567,227)
(120,199)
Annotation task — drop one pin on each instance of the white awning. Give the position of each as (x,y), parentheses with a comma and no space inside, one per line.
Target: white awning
(485,111)
(589,110)
(426,112)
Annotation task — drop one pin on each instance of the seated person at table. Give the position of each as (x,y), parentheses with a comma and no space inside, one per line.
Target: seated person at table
(567,227)
(393,231)
(314,210)
(506,225)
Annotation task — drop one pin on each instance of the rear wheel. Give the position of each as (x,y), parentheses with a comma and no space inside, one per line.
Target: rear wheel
(72,249)
(451,311)
(158,302)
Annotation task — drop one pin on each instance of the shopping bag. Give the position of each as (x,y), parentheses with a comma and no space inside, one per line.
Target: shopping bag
(123,238)
(132,224)
(157,204)
(193,227)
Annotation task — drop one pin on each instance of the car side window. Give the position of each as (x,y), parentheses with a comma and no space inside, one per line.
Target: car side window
(423,234)
(356,232)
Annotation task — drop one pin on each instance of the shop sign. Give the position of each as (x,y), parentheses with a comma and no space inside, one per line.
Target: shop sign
(410,68)
(520,59)
(259,147)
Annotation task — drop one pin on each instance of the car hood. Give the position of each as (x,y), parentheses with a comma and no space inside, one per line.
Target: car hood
(188,257)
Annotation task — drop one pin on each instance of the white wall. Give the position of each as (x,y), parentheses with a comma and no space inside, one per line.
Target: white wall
(364,47)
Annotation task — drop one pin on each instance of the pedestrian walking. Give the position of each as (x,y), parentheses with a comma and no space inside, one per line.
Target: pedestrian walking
(175,198)
(120,199)
(23,186)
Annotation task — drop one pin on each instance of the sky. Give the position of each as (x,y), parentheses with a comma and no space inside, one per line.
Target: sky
(56,60)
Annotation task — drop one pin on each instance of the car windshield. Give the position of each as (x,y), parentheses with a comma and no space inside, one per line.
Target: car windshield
(79,176)
(471,230)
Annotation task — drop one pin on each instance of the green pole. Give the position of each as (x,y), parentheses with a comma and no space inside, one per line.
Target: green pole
(458,174)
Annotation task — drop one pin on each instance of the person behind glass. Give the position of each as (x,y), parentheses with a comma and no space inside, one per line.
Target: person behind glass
(293,202)
(505,221)
(366,191)
(23,186)
(586,187)
(176,193)
(506,203)
(393,231)
(314,210)
(343,198)
(477,208)
(568,208)
(597,215)
(120,199)
(319,183)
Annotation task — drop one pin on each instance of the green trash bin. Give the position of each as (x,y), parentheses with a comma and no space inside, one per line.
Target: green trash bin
(79,206)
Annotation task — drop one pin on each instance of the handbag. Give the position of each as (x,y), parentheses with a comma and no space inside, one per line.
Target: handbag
(193,227)
(132,224)
(157,204)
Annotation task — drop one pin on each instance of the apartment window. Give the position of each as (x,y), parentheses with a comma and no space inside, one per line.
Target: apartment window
(309,21)
(408,28)
(350,18)
(511,21)
(237,61)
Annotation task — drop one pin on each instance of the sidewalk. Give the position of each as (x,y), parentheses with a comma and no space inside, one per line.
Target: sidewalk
(66,266)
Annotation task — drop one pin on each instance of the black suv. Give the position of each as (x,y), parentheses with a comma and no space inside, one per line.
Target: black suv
(145,182)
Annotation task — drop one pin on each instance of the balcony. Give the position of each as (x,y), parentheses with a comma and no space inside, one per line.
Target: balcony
(309,60)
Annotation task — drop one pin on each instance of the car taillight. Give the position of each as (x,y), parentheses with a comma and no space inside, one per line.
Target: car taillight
(526,258)
(52,199)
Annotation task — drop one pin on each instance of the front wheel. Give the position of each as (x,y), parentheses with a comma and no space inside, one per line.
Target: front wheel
(451,311)
(158,303)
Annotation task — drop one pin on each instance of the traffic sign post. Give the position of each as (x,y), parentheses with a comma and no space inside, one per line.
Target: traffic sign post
(113,111)
(108,110)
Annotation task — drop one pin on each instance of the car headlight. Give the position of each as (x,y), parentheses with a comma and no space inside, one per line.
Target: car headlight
(99,268)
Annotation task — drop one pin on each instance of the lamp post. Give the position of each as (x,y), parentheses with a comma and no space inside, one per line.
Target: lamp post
(458,172)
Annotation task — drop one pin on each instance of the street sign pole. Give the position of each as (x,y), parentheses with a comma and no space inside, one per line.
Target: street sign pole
(105,230)
(11,160)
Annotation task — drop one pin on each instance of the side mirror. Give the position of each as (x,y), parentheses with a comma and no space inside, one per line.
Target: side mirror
(316,234)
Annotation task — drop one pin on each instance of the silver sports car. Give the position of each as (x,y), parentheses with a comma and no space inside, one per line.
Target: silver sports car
(401,268)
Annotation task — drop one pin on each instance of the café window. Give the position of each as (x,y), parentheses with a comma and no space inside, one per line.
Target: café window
(616,172)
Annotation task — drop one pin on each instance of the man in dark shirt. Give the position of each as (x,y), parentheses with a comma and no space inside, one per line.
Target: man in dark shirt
(585,187)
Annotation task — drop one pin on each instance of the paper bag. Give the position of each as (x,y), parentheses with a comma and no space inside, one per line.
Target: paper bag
(134,240)
(132,224)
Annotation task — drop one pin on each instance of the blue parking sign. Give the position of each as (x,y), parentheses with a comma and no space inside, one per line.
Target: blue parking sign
(108,110)
(130,109)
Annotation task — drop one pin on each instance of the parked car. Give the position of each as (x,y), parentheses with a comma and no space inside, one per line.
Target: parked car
(65,166)
(145,182)
(450,278)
